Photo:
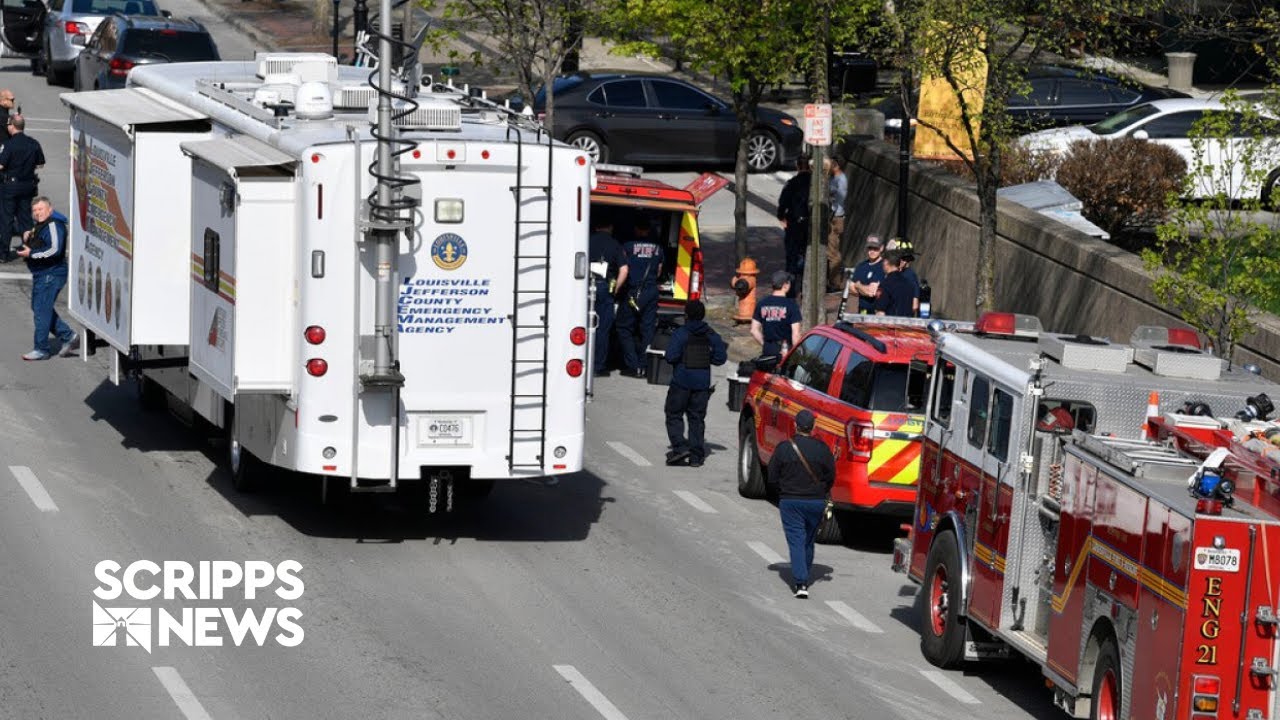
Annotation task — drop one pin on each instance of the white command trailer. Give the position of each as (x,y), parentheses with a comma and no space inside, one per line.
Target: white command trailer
(233,245)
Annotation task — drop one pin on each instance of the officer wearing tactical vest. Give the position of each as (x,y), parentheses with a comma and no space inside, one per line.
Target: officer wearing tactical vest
(693,349)
(638,313)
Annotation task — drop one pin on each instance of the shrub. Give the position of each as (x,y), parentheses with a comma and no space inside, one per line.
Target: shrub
(1020,165)
(1124,184)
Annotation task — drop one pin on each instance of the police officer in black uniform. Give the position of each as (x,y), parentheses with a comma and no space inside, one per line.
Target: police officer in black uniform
(693,349)
(19,159)
(609,271)
(638,313)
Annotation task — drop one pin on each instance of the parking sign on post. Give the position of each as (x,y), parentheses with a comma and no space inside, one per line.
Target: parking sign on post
(817,124)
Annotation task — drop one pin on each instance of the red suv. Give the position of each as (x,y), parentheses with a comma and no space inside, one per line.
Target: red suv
(866,382)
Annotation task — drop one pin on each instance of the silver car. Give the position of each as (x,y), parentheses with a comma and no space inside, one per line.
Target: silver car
(52,37)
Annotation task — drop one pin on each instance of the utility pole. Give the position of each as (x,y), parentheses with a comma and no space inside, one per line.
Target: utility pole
(815,264)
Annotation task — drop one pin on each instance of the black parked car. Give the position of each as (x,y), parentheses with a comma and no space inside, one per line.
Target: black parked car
(655,119)
(1060,96)
(124,41)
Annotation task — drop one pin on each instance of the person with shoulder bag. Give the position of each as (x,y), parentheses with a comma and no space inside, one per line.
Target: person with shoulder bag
(693,349)
(801,472)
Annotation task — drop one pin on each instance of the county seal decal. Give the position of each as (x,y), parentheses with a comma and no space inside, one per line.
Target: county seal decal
(449,251)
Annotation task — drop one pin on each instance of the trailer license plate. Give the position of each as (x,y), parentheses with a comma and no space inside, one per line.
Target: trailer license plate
(1214,559)
(444,430)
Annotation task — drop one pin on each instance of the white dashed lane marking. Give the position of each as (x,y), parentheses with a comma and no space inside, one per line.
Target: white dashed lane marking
(181,694)
(31,484)
(15,275)
(854,617)
(607,710)
(950,687)
(628,453)
(765,552)
(696,502)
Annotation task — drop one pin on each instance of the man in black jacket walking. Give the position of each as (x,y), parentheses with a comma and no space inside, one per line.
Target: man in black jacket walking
(802,471)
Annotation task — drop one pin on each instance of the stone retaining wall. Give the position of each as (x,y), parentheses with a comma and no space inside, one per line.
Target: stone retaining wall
(1072,282)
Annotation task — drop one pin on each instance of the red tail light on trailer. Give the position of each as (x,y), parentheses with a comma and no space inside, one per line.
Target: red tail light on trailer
(574,368)
(317,367)
(315,334)
(578,336)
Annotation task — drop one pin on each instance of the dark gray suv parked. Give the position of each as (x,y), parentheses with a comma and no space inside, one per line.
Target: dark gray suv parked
(122,42)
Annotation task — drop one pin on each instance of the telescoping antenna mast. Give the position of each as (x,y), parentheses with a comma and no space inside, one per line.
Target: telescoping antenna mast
(390,212)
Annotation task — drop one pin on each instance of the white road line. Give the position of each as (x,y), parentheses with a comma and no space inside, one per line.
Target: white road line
(15,276)
(764,551)
(181,694)
(31,484)
(607,710)
(950,687)
(628,453)
(854,617)
(698,503)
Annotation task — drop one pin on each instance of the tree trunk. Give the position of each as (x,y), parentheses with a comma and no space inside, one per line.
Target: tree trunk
(745,110)
(984,297)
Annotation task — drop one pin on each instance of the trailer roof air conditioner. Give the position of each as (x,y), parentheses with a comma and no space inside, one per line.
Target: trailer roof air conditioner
(428,115)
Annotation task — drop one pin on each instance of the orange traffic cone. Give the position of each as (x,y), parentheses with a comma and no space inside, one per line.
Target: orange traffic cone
(1153,410)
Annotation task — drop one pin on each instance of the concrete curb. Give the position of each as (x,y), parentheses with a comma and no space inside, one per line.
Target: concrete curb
(267,42)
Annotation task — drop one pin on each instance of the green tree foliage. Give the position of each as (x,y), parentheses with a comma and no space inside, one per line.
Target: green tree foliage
(534,36)
(942,38)
(1217,260)
(752,44)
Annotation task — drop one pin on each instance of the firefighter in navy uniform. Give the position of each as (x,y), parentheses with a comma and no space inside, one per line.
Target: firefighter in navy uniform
(693,349)
(19,159)
(609,270)
(638,313)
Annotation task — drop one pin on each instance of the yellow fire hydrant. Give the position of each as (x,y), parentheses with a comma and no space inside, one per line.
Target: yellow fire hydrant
(744,284)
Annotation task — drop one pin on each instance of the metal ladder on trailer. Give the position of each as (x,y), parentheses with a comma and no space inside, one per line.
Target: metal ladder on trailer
(529,318)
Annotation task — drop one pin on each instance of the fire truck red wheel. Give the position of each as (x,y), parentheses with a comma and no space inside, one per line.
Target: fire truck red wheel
(1106,683)
(750,473)
(942,632)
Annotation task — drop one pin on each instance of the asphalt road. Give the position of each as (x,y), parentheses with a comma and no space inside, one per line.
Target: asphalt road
(627,591)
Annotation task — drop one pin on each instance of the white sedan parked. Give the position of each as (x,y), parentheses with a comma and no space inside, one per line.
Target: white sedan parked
(1170,122)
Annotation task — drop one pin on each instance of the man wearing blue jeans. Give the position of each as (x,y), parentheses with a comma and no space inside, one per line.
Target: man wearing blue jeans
(802,471)
(45,250)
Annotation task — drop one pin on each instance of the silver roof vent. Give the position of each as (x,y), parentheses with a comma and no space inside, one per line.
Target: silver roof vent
(428,115)
(1082,352)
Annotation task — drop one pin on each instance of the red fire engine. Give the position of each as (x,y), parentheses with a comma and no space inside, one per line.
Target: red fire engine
(1048,525)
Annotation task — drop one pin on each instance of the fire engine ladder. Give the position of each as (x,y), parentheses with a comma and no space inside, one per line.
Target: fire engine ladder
(529,318)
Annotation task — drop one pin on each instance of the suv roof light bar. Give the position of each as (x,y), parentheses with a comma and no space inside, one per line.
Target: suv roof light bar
(876,343)
(632,170)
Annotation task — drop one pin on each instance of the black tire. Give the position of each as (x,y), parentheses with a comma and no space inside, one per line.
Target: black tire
(751,478)
(942,630)
(246,470)
(50,75)
(764,151)
(831,528)
(1105,702)
(1270,199)
(590,143)
(75,80)
(36,67)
